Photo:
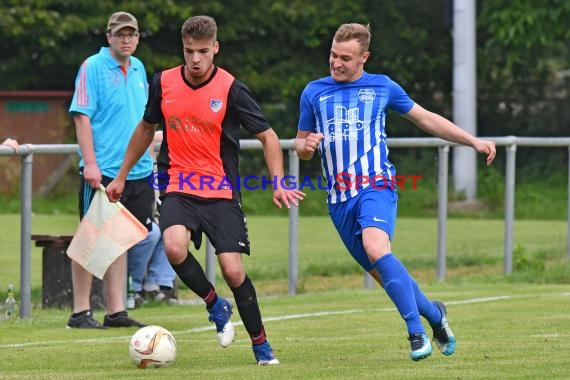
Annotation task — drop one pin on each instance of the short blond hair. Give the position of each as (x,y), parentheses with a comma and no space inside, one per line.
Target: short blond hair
(354,31)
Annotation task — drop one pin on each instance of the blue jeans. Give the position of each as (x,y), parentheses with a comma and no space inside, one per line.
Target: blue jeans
(147,263)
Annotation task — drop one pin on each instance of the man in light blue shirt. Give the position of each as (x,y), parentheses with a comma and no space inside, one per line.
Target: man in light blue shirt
(110,95)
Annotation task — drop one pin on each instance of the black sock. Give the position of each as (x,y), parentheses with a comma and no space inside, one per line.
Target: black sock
(192,275)
(246,302)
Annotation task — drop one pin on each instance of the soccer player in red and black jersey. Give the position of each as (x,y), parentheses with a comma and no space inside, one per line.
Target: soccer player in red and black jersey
(202,107)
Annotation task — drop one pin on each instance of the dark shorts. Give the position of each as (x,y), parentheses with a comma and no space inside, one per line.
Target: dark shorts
(137,197)
(222,220)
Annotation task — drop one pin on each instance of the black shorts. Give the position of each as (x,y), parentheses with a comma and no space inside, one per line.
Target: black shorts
(137,197)
(222,220)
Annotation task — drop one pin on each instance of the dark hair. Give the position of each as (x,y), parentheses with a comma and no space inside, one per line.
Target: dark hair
(200,28)
(359,32)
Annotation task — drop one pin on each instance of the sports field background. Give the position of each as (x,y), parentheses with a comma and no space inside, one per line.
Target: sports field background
(474,248)
(504,331)
(507,326)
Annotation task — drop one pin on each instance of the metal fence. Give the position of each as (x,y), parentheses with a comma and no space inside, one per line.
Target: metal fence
(28,151)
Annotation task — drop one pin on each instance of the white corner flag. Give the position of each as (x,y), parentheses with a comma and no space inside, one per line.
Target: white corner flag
(106,231)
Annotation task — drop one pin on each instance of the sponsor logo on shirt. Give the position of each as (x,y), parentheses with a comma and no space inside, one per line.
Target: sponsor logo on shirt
(323,98)
(345,124)
(191,124)
(215,105)
(366,95)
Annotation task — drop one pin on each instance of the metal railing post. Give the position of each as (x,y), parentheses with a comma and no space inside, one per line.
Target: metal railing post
(568,233)
(369,281)
(509,207)
(26,235)
(210,262)
(442,179)
(27,152)
(293,228)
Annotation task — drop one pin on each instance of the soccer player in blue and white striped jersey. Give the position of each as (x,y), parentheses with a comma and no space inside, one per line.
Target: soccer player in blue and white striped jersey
(343,116)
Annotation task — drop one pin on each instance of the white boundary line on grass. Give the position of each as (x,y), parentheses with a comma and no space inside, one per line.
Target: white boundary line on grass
(211,327)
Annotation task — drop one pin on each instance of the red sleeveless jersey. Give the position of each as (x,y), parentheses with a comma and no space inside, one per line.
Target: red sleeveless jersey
(193,119)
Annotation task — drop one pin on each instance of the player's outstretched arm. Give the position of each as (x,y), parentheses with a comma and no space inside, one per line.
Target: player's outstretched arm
(439,126)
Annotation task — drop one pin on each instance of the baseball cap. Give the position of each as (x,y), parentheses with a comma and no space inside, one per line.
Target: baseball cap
(119,20)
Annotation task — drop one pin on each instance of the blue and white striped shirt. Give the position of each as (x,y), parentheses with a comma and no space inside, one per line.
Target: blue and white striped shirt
(352,118)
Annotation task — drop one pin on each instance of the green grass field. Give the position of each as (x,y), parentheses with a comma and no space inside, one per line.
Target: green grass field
(507,326)
(503,331)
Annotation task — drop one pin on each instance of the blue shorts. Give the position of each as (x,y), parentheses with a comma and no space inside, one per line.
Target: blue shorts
(373,207)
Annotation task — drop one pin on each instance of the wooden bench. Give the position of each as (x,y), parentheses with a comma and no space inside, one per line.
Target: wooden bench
(57,289)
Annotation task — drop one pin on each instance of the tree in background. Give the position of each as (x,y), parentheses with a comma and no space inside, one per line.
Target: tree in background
(524,77)
(277,46)
(523,67)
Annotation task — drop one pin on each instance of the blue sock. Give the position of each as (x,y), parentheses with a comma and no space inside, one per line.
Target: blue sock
(398,285)
(426,308)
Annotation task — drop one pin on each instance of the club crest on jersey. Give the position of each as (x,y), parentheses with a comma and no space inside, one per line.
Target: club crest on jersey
(215,105)
(366,95)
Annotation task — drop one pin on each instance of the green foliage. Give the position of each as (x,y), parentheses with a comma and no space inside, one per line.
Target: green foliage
(535,200)
(491,186)
(522,67)
(46,41)
(523,261)
(526,29)
(277,47)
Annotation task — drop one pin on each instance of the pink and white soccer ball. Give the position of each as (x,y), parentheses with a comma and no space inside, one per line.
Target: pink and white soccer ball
(152,347)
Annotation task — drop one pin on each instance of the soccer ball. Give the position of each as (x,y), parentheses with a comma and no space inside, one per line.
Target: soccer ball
(152,347)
